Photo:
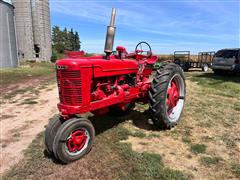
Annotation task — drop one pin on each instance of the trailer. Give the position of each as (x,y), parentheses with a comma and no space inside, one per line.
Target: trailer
(204,60)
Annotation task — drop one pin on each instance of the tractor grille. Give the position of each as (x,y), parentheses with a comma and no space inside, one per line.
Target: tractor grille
(70,87)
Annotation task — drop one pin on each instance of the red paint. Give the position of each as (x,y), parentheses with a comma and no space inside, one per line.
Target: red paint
(76,141)
(87,84)
(74,54)
(173,96)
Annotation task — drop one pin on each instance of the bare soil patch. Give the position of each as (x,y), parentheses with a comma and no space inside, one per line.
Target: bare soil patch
(21,119)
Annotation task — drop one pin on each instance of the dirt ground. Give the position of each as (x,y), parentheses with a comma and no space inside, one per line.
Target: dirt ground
(205,144)
(23,115)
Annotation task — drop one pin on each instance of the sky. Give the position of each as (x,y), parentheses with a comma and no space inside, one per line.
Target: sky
(167,25)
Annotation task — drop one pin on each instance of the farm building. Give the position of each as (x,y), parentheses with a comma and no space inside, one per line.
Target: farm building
(33,29)
(25,31)
(8,46)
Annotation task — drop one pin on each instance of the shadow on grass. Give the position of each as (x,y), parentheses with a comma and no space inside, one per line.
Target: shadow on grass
(51,157)
(139,119)
(107,122)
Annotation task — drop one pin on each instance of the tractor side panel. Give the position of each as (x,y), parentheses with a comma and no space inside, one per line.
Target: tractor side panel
(100,72)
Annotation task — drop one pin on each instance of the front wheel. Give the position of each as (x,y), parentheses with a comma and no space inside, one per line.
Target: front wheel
(73,140)
(167,96)
(51,131)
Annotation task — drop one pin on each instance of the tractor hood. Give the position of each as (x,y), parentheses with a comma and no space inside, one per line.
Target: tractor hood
(97,61)
(101,66)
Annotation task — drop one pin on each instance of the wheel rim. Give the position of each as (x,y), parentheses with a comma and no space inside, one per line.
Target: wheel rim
(205,68)
(77,142)
(175,98)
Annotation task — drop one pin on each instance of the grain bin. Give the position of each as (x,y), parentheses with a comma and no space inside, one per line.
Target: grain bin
(8,45)
(33,29)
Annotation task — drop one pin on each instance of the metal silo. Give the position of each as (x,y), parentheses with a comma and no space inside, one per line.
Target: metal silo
(33,29)
(42,29)
(24,29)
(8,43)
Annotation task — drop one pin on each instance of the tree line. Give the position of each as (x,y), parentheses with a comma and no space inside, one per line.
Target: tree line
(65,40)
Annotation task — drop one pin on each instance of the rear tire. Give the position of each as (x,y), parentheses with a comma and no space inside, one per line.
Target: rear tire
(51,131)
(168,88)
(73,140)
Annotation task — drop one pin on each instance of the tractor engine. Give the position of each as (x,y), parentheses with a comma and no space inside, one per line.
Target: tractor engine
(94,84)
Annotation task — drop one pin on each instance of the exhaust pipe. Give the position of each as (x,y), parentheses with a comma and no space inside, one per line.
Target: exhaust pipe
(110,35)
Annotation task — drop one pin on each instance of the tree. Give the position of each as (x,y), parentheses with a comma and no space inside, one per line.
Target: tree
(58,39)
(65,40)
(71,39)
(77,42)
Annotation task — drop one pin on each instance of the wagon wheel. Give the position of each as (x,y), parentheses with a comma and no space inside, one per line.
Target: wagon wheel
(205,67)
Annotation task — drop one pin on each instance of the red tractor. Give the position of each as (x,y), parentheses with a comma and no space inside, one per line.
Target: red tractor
(111,83)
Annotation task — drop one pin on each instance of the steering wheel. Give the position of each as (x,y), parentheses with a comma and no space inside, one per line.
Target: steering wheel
(139,49)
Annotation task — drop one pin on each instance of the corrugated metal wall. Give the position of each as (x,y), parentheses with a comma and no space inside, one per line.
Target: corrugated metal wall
(8,44)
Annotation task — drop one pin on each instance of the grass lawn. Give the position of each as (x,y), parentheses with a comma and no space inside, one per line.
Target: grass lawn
(204,145)
(24,72)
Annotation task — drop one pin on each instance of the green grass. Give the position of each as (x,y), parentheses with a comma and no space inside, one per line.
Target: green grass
(153,135)
(175,133)
(208,161)
(29,101)
(236,170)
(224,85)
(109,159)
(139,134)
(123,133)
(147,165)
(237,106)
(186,135)
(15,92)
(229,140)
(198,148)
(25,71)
(21,91)
(186,139)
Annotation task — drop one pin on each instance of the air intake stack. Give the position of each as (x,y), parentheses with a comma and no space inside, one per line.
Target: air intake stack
(110,35)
